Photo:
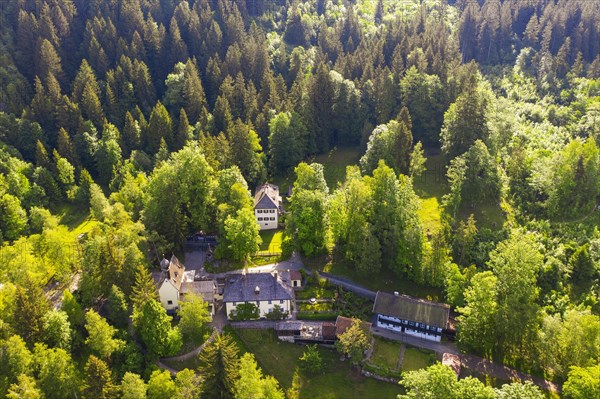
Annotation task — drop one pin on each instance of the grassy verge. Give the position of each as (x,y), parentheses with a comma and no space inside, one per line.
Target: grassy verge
(271,241)
(385,353)
(385,280)
(431,187)
(416,359)
(335,163)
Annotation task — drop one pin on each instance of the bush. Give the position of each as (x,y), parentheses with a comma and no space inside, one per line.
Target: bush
(311,361)
(277,313)
(316,316)
(245,311)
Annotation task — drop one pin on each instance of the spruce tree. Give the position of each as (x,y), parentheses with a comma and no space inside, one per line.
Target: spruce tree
(219,367)
(130,138)
(143,289)
(98,382)
(193,94)
(31,306)
(184,130)
(160,126)
(47,60)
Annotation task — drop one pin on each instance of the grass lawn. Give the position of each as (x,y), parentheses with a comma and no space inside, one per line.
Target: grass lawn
(431,187)
(339,380)
(78,220)
(385,353)
(416,359)
(263,260)
(271,241)
(191,363)
(384,280)
(335,162)
(487,215)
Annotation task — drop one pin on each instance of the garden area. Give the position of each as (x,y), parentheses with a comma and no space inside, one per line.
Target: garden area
(391,358)
(271,242)
(330,301)
(337,380)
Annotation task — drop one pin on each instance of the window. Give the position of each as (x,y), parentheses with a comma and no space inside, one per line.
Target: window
(272,210)
(234,304)
(259,211)
(272,218)
(270,302)
(260,219)
(169,302)
(281,301)
(257,303)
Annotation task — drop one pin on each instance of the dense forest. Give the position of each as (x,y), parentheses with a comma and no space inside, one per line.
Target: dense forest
(159,118)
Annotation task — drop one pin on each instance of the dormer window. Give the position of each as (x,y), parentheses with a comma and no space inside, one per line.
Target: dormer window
(257,290)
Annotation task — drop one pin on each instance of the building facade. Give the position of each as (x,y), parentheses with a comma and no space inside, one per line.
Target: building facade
(264,290)
(412,316)
(267,206)
(169,288)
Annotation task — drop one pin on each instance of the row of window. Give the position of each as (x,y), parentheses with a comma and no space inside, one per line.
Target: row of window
(265,219)
(409,323)
(258,302)
(265,211)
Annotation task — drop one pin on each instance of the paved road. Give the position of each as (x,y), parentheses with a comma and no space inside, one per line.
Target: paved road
(349,285)
(439,347)
(475,363)
(485,366)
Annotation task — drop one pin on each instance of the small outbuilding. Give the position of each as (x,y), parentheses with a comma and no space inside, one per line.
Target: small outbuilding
(207,289)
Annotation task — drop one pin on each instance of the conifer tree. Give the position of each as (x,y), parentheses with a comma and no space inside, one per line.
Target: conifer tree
(184,130)
(65,147)
(160,127)
(143,289)
(31,306)
(98,382)
(47,60)
(130,138)
(219,367)
(193,93)
(222,115)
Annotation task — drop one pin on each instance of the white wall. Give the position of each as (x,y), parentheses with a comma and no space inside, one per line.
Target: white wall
(167,292)
(408,330)
(264,306)
(266,214)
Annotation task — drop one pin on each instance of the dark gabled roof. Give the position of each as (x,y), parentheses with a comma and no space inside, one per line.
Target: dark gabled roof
(205,288)
(240,288)
(413,309)
(267,197)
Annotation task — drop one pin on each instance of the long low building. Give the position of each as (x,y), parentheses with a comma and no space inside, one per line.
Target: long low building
(412,316)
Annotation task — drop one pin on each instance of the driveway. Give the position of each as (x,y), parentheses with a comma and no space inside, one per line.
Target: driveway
(475,363)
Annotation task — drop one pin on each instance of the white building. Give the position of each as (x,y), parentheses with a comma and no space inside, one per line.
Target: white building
(267,206)
(173,287)
(265,290)
(207,289)
(412,316)
(169,287)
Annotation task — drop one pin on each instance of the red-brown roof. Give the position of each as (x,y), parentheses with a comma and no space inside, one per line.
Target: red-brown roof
(343,323)
(328,330)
